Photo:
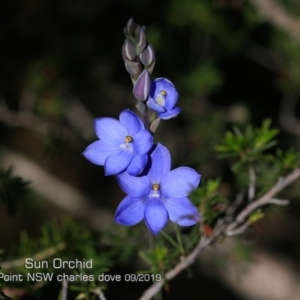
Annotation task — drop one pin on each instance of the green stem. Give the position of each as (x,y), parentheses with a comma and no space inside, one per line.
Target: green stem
(169,239)
(151,240)
(142,108)
(158,296)
(181,248)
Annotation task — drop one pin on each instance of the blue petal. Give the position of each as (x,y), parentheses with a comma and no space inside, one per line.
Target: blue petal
(156,216)
(131,121)
(134,186)
(154,106)
(157,86)
(117,162)
(179,182)
(162,83)
(111,131)
(172,94)
(166,85)
(142,142)
(181,211)
(171,99)
(98,151)
(161,163)
(170,114)
(130,211)
(137,164)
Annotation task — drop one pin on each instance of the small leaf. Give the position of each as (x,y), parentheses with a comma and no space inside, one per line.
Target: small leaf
(255,216)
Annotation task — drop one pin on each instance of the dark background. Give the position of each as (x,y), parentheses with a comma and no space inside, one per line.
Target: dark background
(60,59)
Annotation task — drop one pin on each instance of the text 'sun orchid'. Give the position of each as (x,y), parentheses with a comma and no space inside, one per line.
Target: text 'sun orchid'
(123,144)
(163,98)
(159,195)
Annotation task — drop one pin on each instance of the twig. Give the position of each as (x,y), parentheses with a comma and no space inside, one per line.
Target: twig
(68,199)
(80,119)
(287,117)
(267,58)
(279,201)
(64,290)
(278,16)
(76,114)
(231,230)
(280,185)
(184,263)
(7,265)
(99,293)
(23,119)
(252,179)
(223,229)
(230,211)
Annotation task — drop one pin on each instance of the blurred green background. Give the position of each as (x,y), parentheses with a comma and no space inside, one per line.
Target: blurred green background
(61,67)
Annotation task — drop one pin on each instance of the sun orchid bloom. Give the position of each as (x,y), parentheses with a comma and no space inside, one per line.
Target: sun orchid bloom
(122,145)
(159,195)
(163,98)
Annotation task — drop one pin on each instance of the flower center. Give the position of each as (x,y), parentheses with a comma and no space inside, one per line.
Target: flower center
(155,193)
(127,143)
(155,186)
(161,98)
(128,139)
(164,93)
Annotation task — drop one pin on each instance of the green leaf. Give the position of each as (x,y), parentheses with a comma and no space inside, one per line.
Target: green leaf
(249,144)
(255,216)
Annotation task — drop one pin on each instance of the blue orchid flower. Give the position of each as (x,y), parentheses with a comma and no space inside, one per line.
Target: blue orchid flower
(163,98)
(123,144)
(160,195)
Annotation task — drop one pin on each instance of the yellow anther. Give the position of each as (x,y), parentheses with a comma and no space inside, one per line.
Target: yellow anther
(128,139)
(155,186)
(164,93)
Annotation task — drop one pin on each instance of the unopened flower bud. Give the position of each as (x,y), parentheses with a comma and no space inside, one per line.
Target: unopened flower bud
(128,50)
(129,29)
(142,86)
(147,57)
(140,39)
(132,67)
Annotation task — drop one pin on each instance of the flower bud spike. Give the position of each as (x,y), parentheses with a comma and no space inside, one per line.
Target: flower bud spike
(128,50)
(129,29)
(142,86)
(140,40)
(147,57)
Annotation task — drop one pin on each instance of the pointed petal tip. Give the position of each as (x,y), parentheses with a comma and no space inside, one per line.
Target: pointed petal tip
(156,216)
(130,211)
(152,231)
